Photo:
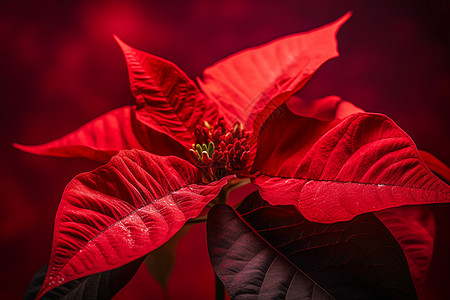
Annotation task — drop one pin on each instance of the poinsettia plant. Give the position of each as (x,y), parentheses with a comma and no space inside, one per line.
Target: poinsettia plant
(329,219)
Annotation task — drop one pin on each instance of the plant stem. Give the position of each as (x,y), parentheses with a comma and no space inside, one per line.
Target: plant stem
(201,219)
(165,293)
(223,196)
(220,290)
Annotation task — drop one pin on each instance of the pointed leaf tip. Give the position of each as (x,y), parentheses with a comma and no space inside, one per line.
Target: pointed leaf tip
(98,139)
(339,22)
(249,85)
(121,43)
(337,26)
(20,146)
(167,100)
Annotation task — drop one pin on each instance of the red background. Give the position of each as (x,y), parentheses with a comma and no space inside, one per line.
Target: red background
(60,67)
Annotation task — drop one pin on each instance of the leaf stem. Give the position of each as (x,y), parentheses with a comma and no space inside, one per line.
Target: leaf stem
(231,185)
(220,289)
(197,220)
(223,196)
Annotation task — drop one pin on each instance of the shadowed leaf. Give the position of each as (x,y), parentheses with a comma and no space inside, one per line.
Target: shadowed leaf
(161,261)
(249,267)
(414,228)
(357,259)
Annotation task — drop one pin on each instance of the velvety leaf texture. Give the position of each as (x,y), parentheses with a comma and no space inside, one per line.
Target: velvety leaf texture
(100,286)
(98,139)
(249,267)
(333,173)
(357,259)
(249,85)
(166,99)
(156,142)
(435,165)
(122,211)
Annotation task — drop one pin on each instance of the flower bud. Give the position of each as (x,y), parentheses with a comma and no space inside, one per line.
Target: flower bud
(205,158)
(205,132)
(228,138)
(245,156)
(232,153)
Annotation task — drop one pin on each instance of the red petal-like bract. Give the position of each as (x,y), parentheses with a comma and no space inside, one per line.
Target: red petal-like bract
(251,84)
(414,228)
(166,99)
(122,211)
(325,109)
(98,139)
(435,165)
(365,163)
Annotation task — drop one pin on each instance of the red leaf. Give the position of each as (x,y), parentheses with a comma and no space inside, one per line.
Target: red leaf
(414,228)
(324,109)
(252,83)
(435,165)
(156,142)
(287,125)
(98,139)
(294,136)
(122,211)
(166,99)
(365,163)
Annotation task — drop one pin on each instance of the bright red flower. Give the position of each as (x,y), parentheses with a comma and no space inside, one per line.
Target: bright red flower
(171,154)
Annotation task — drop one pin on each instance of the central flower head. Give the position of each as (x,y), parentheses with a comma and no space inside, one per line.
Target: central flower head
(219,151)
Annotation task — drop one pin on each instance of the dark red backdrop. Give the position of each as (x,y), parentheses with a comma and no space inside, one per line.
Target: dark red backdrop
(60,67)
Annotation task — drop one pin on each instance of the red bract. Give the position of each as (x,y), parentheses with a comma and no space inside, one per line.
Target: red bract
(328,158)
(366,156)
